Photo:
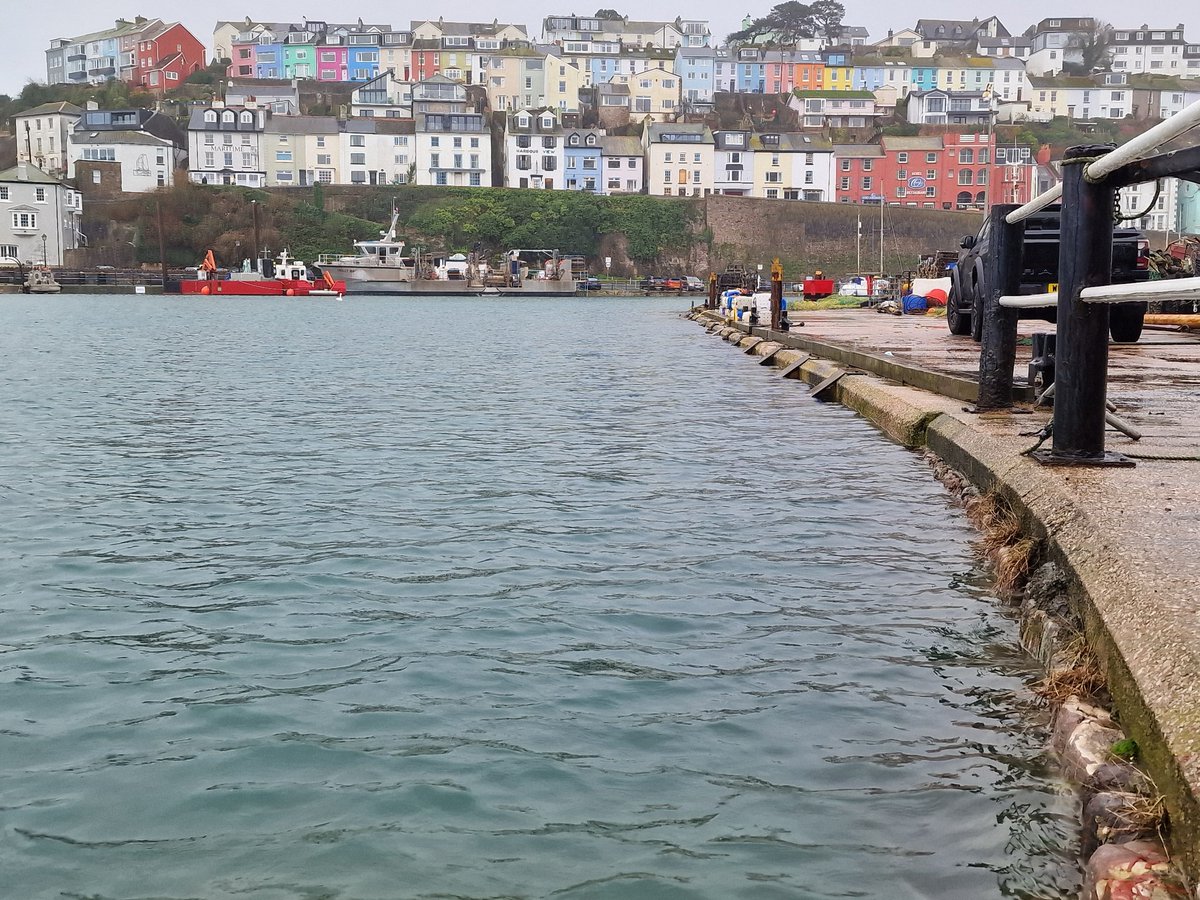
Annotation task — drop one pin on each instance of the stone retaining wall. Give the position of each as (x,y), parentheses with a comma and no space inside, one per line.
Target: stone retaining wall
(1122,808)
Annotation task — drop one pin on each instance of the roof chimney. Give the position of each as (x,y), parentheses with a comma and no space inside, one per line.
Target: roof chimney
(22,171)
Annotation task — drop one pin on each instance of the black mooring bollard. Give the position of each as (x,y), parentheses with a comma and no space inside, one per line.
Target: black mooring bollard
(998,350)
(776,293)
(1081,358)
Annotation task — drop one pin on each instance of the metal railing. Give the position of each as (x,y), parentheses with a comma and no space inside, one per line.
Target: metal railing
(1092,174)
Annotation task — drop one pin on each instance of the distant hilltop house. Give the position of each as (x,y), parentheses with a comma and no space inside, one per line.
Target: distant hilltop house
(146,53)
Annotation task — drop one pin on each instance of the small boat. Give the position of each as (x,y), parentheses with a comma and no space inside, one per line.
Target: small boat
(283,276)
(383,267)
(40,280)
(490,292)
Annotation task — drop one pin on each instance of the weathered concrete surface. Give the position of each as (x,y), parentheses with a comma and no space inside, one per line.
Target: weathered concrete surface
(1130,537)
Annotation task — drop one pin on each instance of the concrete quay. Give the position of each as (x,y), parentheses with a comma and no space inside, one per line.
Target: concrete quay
(1129,538)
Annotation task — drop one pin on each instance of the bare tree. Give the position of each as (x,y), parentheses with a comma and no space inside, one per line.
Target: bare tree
(1094,47)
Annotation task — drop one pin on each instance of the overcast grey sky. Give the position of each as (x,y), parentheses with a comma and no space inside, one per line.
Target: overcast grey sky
(31,26)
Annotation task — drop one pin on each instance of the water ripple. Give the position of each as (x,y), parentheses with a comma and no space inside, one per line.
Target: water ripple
(586,605)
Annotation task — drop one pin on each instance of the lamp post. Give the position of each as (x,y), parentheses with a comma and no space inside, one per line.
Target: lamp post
(45,258)
(858,266)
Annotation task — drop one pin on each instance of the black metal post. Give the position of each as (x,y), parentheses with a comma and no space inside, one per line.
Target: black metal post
(254,212)
(998,351)
(776,293)
(162,244)
(1084,260)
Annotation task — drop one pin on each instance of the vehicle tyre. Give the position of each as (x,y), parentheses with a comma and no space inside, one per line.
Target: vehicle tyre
(976,314)
(957,321)
(1125,322)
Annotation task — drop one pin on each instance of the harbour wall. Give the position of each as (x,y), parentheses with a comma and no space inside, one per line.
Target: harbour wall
(1126,607)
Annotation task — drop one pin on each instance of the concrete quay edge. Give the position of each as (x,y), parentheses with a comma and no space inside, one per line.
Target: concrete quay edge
(1133,623)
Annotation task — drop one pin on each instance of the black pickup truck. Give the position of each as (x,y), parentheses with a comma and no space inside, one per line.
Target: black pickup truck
(968,284)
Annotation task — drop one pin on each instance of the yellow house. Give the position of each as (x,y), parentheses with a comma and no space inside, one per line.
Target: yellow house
(972,74)
(792,166)
(654,94)
(839,78)
(515,78)
(1049,96)
(563,79)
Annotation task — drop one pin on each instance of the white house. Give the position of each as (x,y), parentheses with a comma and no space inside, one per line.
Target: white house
(622,161)
(1153,51)
(679,160)
(225,146)
(733,163)
(452,145)
(533,150)
(938,107)
(42,135)
(1055,42)
(39,216)
(129,161)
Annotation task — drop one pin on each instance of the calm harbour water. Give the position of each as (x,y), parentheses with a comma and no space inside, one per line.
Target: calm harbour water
(475,598)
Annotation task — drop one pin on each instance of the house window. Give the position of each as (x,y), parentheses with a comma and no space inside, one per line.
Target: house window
(8,250)
(845,165)
(966,155)
(360,159)
(866,165)
(931,157)
(866,183)
(24,221)
(901,158)
(360,140)
(4,192)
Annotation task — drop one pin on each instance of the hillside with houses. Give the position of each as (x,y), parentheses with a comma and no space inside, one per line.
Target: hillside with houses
(795,106)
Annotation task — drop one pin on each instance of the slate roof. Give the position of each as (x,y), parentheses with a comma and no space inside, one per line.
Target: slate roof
(118,137)
(62,107)
(33,173)
(620,145)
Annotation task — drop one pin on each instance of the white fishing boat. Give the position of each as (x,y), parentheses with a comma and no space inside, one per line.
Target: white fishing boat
(383,267)
(40,280)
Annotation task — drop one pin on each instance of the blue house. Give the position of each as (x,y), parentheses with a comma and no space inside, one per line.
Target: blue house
(581,147)
(695,67)
(869,74)
(268,60)
(924,76)
(362,61)
(751,72)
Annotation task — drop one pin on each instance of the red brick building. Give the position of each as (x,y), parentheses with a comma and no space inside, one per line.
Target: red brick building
(948,171)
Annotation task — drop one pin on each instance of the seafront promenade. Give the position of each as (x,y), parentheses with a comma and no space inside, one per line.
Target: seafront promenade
(1128,537)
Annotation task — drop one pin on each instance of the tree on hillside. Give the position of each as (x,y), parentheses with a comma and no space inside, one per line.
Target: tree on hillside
(1095,46)
(788,22)
(828,15)
(609,14)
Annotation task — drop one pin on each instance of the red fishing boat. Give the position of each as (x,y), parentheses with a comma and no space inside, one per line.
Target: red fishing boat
(279,277)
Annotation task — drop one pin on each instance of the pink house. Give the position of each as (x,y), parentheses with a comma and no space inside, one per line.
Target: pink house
(331,62)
